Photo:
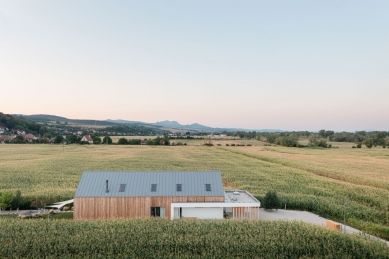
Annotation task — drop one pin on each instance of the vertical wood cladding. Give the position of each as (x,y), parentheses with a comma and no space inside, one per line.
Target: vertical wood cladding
(245,213)
(129,207)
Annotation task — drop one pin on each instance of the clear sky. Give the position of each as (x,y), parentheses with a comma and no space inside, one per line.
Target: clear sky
(292,65)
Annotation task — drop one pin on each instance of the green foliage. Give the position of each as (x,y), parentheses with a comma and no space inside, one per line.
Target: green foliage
(122,141)
(369,142)
(283,139)
(17,200)
(58,139)
(315,142)
(18,140)
(180,239)
(5,199)
(107,139)
(359,145)
(17,122)
(96,140)
(271,201)
(71,139)
(134,141)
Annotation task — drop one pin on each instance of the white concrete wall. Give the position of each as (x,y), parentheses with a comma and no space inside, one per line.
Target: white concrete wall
(203,213)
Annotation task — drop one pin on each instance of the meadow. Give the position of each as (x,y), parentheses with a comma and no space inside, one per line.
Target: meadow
(155,238)
(310,179)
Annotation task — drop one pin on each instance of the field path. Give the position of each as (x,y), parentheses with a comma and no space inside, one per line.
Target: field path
(308,217)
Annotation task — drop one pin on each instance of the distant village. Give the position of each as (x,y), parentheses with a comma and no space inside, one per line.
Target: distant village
(85,136)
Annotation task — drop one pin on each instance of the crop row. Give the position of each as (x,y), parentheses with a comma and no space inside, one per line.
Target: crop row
(183,239)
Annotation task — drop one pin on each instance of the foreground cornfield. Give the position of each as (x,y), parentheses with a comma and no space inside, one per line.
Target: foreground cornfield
(180,239)
(316,180)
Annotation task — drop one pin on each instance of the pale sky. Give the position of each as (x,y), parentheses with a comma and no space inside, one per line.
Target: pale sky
(292,65)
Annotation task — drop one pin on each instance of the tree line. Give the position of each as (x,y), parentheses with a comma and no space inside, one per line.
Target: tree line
(15,122)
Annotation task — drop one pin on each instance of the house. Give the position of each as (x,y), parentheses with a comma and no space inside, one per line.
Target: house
(4,138)
(87,138)
(79,132)
(174,195)
(28,137)
(3,129)
(19,132)
(143,142)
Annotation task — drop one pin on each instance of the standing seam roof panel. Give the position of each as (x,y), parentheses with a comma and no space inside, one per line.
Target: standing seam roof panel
(92,184)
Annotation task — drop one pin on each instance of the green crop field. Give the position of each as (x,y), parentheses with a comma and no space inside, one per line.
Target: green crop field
(316,180)
(155,238)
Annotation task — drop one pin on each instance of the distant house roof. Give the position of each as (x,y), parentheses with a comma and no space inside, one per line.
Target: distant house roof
(88,138)
(28,136)
(93,184)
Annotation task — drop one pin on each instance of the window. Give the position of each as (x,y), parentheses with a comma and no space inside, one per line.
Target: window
(153,187)
(179,187)
(122,188)
(208,187)
(157,212)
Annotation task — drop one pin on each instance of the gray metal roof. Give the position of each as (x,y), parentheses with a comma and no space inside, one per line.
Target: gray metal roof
(93,184)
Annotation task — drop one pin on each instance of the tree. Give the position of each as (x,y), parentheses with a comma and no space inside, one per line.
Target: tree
(322,133)
(166,140)
(289,141)
(369,142)
(106,140)
(17,200)
(122,141)
(134,142)
(329,133)
(271,201)
(314,142)
(96,140)
(58,139)
(5,199)
(71,139)
(19,140)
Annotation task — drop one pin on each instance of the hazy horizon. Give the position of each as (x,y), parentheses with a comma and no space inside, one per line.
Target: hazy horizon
(297,65)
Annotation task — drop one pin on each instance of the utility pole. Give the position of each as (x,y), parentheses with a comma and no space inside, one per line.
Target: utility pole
(344,214)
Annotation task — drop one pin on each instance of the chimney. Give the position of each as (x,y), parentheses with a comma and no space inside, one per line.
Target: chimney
(106,186)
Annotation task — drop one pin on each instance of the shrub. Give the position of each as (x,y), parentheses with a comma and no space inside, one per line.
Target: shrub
(227,145)
(233,145)
(315,142)
(359,145)
(369,142)
(122,141)
(271,201)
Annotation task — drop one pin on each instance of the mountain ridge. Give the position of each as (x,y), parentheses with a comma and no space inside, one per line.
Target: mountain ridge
(166,123)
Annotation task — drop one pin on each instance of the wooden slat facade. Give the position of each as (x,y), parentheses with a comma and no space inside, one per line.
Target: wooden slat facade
(251,213)
(129,207)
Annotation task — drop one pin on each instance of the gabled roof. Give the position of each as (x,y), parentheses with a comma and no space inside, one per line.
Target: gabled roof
(88,138)
(138,184)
